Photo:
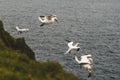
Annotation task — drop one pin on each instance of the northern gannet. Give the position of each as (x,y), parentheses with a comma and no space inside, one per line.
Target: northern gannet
(86,61)
(47,19)
(72,46)
(21,30)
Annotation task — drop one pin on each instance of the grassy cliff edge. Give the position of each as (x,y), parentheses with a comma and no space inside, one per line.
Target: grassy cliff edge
(17,44)
(17,62)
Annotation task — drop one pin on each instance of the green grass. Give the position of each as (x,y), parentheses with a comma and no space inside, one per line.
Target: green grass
(18,63)
(17,66)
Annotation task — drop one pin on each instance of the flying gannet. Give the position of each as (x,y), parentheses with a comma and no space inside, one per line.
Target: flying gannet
(72,46)
(21,30)
(47,19)
(86,61)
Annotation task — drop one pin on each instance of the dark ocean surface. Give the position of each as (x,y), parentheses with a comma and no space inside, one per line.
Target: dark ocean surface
(93,23)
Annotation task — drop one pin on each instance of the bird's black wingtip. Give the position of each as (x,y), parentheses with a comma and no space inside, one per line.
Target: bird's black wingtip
(90,74)
(42,25)
(67,40)
(41,16)
(78,49)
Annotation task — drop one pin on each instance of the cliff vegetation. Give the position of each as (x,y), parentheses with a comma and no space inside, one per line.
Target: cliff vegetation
(17,62)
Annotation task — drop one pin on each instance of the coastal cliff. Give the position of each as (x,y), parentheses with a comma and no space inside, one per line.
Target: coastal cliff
(17,44)
(17,62)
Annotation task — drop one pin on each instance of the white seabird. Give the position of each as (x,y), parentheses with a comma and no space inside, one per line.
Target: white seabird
(71,47)
(86,61)
(21,30)
(47,19)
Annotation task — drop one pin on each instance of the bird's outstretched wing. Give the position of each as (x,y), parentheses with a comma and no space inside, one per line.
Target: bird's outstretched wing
(76,59)
(68,51)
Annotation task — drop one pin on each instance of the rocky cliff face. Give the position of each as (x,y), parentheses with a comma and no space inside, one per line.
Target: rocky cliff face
(17,44)
(17,62)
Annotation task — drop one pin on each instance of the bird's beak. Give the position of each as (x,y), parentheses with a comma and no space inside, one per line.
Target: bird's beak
(57,21)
